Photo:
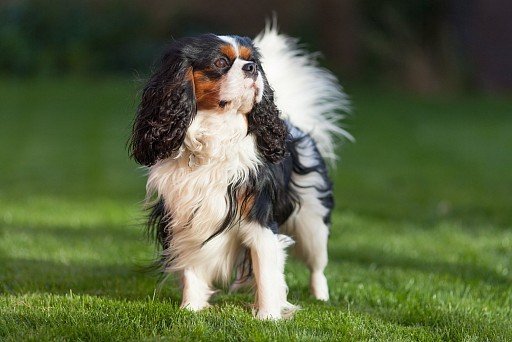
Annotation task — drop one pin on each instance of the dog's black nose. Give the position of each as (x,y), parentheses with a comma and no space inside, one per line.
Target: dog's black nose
(250,69)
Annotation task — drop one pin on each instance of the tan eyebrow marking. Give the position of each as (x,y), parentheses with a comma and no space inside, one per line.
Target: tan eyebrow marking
(229,51)
(245,53)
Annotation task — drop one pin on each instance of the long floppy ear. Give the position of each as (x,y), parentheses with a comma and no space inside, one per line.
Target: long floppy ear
(166,110)
(269,128)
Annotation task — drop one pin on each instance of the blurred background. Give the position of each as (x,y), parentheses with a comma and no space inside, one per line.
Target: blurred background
(421,240)
(425,46)
(430,83)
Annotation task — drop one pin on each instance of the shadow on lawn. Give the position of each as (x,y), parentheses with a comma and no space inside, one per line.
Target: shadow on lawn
(119,277)
(377,258)
(115,275)
(22,276)
(98,234)
(446,323)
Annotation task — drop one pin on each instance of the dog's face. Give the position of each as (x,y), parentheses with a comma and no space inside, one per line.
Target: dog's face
(226,74)
(213,74)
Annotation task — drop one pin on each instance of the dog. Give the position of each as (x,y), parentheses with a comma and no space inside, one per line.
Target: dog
(235,134)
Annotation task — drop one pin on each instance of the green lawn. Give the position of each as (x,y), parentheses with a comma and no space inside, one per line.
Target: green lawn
(420,249)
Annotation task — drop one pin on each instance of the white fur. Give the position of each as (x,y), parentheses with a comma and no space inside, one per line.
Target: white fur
(217,152)
(196,290)
(268,258)
(240,91)
(308,95)
(307,227)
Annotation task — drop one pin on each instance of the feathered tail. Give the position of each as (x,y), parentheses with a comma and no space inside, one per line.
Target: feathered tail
(307,94)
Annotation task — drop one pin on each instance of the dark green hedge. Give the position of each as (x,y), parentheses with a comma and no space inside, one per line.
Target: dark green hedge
(46,37)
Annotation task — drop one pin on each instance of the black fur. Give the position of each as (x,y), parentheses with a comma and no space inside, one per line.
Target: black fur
(302,143)
(269,128)
(158,221)
(275,198)
(166,110)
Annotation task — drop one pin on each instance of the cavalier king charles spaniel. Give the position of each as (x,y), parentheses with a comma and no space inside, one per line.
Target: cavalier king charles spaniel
(234,133)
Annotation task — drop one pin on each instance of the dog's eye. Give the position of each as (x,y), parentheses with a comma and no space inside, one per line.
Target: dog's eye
(221,63)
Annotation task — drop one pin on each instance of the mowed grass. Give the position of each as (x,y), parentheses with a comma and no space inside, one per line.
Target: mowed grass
(420,248)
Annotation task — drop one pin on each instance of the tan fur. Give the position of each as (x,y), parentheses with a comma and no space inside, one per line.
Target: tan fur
(206,90)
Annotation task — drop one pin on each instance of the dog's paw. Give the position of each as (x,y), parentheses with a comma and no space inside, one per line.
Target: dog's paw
(268,315)
(194,306)
(288,310)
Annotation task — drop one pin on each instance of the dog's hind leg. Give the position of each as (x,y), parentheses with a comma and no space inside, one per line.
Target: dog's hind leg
(311,235)
(309,227)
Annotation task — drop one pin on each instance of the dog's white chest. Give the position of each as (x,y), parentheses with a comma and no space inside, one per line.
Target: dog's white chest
(194,187)
(217,152)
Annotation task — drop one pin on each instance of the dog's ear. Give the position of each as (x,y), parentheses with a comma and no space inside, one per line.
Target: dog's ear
(269,128)
(166,110)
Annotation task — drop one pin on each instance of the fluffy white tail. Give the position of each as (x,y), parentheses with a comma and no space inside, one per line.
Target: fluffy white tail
(308,95)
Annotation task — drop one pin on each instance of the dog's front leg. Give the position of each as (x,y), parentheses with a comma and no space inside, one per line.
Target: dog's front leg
(196,291)
(268,255)
(264,254)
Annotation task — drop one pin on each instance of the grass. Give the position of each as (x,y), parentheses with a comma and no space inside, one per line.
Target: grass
(420,247)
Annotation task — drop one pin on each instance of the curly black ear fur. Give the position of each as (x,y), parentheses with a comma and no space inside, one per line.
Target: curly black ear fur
(166,109)
(269,128)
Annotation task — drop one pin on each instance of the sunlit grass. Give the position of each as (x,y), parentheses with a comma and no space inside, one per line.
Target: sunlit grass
(421,244)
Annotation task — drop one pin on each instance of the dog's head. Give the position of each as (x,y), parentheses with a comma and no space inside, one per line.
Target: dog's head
(215,75)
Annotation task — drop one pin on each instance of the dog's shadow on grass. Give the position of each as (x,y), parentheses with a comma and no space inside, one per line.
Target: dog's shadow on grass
(377,259)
